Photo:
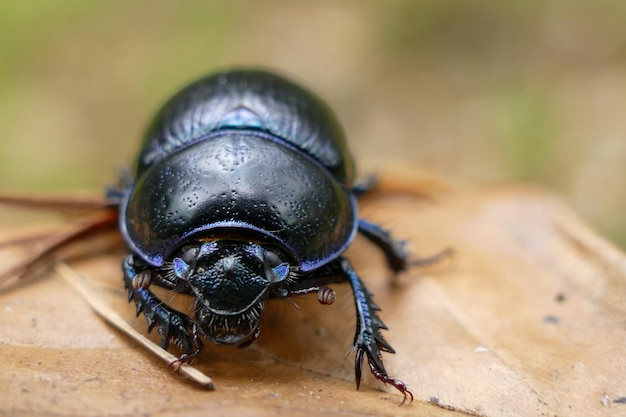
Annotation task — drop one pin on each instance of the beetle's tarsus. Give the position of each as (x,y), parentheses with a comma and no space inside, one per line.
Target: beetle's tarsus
(377,368)
(379,373)
(396,383)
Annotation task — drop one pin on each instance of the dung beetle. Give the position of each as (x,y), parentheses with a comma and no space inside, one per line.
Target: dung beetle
(244,190)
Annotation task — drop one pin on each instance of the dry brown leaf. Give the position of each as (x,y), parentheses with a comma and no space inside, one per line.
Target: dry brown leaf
(527,319)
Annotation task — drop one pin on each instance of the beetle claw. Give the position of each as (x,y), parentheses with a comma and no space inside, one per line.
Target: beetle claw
(378,370)
(396,383)
(185,359)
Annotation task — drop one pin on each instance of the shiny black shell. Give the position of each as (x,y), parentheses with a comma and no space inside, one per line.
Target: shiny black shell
(248,155)
(251,100)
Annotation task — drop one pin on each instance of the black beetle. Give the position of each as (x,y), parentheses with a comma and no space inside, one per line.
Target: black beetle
(244,190)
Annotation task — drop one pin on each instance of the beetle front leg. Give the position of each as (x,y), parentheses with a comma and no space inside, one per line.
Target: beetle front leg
(172,325)
(368,339)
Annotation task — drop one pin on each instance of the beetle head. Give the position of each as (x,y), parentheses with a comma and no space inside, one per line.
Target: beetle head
(230,280)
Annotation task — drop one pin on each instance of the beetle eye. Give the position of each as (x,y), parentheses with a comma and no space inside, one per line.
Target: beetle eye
(189,253)
(272,259)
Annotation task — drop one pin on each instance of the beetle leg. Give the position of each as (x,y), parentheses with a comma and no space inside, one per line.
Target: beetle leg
(368,339)
(395,250)
(172,325)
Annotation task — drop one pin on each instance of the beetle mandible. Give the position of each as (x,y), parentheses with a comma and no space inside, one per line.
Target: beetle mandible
(243,191)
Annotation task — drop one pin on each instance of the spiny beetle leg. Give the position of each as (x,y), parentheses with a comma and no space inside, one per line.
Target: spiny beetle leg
(368,339)
(172,325)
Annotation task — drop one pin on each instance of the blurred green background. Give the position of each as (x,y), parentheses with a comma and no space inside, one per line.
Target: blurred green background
(488,91)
